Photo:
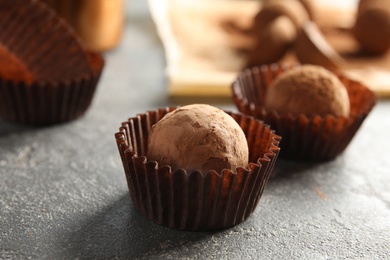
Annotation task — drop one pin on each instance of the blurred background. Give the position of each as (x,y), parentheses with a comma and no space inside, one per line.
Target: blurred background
(206,43)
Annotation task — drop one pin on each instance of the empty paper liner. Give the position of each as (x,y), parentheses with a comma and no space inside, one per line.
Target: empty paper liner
(304,138)
(195,200)
(46,74)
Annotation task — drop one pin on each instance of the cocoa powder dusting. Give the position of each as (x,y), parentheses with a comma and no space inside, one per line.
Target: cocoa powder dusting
(198,137)
(310,90)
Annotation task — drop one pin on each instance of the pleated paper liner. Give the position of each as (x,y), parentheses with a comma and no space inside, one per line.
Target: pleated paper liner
(53,77)
(195,201)
(314,139)
(42,40)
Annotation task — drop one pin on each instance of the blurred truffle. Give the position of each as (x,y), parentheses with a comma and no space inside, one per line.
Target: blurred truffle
(309,90)
(372,26)
(273,42)
(305,136)
(272,9)
(198,137)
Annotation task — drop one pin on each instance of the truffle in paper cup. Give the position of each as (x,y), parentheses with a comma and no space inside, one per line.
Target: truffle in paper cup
(50,77)
(195,200)
(315,138)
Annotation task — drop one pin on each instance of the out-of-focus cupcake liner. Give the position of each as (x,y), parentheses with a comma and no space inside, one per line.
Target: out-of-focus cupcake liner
(65,74)
(316,138)
(40,38)
(195,200)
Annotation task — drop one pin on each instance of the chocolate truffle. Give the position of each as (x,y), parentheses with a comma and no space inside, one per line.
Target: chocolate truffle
(273,42)
(293,9)
(364,4)
(372,26)
(198,137)
(310,90)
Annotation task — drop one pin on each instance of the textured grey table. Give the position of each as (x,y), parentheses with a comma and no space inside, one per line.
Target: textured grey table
(63,192)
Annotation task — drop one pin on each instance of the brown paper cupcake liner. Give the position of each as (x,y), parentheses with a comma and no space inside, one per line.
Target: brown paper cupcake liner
(195,200)
(53,77)
(42,40)
(316,138)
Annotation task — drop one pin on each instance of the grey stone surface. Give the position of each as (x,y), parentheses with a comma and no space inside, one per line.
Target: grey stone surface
(63,193)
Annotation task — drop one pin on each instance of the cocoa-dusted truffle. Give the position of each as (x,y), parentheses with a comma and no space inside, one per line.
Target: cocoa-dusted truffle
(372,26)
(196,201)
(293,9)
(310,90)
(306,136)
(198,137)
(273,42)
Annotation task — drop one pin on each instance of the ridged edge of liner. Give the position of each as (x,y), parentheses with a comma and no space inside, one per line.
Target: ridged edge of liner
(314,139)
(195,201)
